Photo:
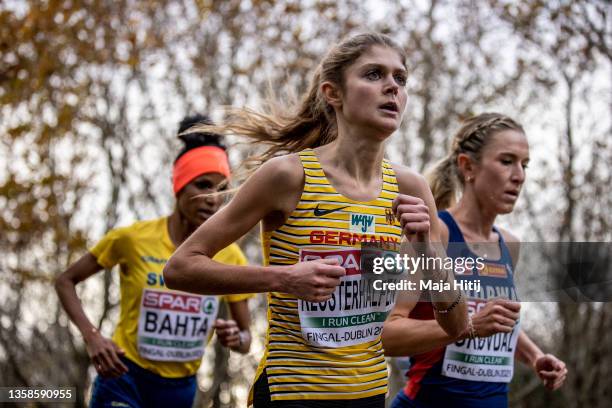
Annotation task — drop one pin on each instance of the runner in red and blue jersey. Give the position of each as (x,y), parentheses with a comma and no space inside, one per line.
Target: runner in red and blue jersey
(488,158)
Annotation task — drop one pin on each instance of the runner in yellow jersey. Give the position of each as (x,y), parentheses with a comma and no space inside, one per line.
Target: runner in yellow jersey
(159,341)
(317,208)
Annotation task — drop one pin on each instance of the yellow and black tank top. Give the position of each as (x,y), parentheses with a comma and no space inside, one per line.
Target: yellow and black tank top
(333,349)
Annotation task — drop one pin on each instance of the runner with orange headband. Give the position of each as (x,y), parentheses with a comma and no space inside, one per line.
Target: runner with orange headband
(159,341)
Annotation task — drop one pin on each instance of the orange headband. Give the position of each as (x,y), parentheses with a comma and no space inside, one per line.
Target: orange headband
(194,163)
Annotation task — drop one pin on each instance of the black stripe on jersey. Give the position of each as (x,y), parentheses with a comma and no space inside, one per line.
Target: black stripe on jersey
(275,319)
(283,258)
(381,375)
(285,356)
(328,384)
(287,314)
(275,238)
(282,231)
(355,205)
(286,342)
(286,302)
(380,223)
(290,254)
(285,334)
(284,329)
(382,387)
(284,307)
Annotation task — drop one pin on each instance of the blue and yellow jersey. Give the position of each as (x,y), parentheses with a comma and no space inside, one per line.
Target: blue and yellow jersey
(162,330)
(332,349)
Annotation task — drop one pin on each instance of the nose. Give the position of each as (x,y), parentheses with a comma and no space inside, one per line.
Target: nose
(518,175)
(212,198)
(209,198)
(391,87)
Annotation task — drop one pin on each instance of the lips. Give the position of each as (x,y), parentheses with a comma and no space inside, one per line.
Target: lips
(512,193)
(206,213)
(390,107)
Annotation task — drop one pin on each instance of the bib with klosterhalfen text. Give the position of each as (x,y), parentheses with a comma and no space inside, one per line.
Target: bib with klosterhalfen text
(174,326)
(488,359)
(355,313)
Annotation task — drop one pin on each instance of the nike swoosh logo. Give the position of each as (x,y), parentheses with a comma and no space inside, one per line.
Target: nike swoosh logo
(320,212)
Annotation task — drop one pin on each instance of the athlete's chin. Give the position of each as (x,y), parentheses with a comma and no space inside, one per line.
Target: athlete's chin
(384,128)
(505,208)
(199,219)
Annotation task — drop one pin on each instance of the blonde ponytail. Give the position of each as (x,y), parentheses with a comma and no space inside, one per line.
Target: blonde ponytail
(442,179)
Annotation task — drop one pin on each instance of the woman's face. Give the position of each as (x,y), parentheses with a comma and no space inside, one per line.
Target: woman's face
(374,93)
(196,201)
(498,177)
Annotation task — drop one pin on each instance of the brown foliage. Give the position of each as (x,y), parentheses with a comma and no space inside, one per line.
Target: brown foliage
(91,92)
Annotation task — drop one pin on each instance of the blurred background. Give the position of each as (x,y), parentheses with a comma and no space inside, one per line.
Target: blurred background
(91,93)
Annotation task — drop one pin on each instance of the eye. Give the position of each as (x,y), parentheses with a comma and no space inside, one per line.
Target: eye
(525,166)
(373,75)
(400,79)
(203,185)
(506,162)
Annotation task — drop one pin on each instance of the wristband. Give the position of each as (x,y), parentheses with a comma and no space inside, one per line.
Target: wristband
(451,307)
(471,330)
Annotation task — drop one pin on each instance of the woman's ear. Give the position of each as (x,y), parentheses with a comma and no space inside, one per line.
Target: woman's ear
(465,165)
(332,94)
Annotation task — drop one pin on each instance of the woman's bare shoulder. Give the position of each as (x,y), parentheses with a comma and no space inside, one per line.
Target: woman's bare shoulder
(283,172)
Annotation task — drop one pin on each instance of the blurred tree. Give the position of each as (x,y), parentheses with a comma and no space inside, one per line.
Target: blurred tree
(91,93)
(66,78)
(567,46)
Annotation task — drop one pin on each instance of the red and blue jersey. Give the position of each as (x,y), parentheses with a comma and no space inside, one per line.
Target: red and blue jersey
(470,372)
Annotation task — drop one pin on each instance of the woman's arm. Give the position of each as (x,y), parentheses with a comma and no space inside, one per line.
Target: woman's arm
(526,350)
(264,194)
(549,368)
(403,336)
(235,333)
(416,210)
(103,352)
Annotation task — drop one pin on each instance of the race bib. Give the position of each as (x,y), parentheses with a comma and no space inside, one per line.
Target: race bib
(488,359)
(355,313)
(174,326)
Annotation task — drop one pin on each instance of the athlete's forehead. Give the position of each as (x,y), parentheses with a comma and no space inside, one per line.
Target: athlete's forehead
(380,57)
(509,142)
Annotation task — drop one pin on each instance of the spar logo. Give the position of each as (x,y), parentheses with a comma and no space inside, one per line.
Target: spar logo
(362,223)
(171,301)
(349,259)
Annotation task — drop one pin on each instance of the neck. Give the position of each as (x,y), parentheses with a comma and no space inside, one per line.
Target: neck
(178,228)
(473,217)
(356,154)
